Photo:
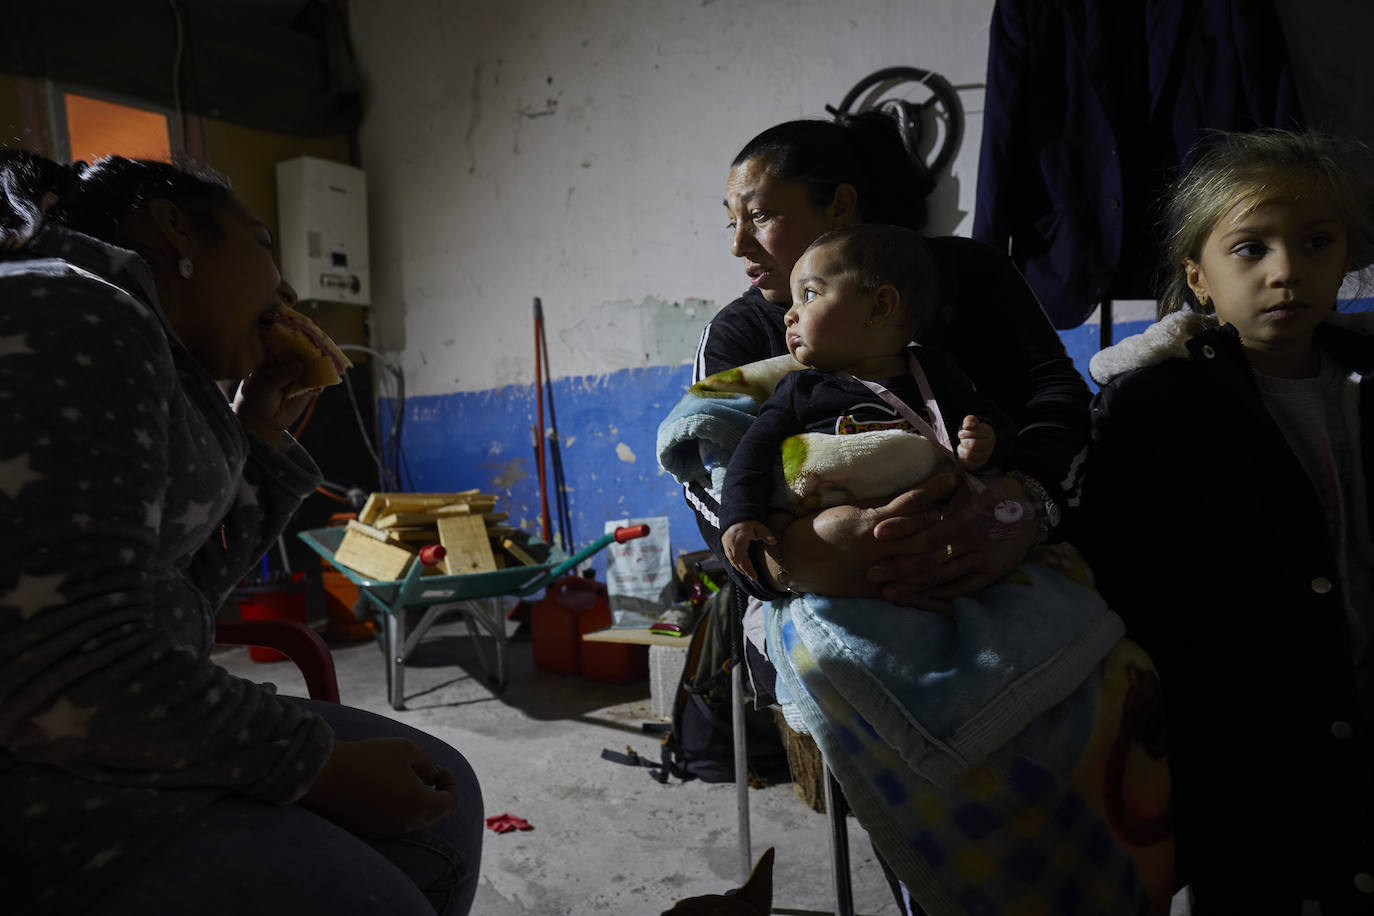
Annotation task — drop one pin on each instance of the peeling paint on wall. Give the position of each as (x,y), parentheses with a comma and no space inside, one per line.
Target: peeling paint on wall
(674,328)
(513,473)
(625,334)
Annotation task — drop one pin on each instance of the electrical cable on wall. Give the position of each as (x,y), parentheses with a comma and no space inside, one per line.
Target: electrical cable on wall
(176,78)
(392,467)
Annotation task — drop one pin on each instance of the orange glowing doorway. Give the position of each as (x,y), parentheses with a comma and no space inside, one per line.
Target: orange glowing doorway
(98,128)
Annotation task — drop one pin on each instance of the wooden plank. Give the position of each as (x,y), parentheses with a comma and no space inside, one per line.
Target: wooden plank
(372,508)
(637,636)
(465,539)
(372,558)
(515,550)
(371,531)
(414,502)
(382,504)
(402,519)
(405,502)
(452,509)
(418,534)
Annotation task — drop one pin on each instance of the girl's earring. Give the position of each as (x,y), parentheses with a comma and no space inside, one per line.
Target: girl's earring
(186,268)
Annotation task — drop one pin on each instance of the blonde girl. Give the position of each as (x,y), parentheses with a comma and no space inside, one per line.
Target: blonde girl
(1226,511)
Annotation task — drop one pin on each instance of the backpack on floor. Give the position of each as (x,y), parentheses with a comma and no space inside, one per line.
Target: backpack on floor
(700,743)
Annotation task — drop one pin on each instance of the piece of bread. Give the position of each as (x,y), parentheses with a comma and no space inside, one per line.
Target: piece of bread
(292,337)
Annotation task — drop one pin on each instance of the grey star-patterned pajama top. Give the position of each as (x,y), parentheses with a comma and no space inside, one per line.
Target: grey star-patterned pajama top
(120,460)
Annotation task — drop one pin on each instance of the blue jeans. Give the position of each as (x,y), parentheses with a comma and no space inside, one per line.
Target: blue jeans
(241,856)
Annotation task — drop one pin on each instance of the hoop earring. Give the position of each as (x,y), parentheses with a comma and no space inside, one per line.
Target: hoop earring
(186,268)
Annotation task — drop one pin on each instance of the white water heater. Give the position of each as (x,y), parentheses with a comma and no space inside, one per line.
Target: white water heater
(322,229)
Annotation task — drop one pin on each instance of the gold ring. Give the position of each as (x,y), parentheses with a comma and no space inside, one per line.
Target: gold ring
(949,551)
(942,517)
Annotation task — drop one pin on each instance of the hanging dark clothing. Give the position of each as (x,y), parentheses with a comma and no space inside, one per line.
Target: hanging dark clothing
(1091,108)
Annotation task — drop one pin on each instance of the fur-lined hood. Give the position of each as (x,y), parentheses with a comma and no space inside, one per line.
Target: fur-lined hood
(1168,339)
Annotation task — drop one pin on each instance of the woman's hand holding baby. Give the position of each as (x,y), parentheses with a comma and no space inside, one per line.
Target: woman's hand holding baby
(930,561)
(922,549)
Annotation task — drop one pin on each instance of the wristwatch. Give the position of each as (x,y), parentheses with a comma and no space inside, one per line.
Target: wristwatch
(1047,514)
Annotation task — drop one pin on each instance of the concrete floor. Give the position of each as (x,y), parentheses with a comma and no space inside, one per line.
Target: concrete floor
(607,839)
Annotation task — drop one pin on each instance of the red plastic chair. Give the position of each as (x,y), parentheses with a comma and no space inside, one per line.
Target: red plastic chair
(293,639)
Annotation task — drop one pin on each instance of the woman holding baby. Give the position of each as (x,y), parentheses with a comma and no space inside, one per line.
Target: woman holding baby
(786,188)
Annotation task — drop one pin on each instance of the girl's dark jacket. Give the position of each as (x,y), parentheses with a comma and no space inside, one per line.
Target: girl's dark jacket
(1208,538)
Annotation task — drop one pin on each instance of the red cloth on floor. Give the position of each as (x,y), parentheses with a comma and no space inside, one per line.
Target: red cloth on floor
(504,823)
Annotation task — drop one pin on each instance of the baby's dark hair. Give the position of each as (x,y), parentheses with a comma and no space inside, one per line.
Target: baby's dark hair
(883,255)
(1255,167)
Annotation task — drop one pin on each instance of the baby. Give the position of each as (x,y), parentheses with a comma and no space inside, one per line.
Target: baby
(860,294)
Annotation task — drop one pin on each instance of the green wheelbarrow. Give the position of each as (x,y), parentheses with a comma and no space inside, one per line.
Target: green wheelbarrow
(477,597)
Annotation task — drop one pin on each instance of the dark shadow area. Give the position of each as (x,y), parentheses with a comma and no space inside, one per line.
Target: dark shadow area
(540,695)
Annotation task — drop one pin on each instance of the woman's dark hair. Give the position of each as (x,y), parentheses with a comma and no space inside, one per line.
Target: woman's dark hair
(24,179)
(97,199)
(864,150)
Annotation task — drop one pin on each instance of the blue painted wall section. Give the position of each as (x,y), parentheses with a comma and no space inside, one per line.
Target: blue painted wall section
(607,425)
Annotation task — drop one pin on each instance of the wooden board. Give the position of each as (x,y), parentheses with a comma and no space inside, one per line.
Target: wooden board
(370,508)
(453,509)
(465,539)
(376,534)
(379,504)
(404,519)
(419,534)
(518,552)
(473,504)
(637,636)
(372,558)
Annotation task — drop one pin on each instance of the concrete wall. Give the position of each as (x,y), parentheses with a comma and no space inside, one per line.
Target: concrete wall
(578,152)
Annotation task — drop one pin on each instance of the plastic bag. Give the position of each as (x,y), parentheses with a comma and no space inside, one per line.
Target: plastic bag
(639,573)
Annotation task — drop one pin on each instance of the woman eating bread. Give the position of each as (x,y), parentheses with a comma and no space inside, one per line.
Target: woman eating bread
(136,775)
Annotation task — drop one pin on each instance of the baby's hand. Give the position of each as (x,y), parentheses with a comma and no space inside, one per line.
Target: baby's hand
(736,541)
(976,443)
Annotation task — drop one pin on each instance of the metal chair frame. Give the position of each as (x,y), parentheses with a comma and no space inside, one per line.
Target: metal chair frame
(836,808)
